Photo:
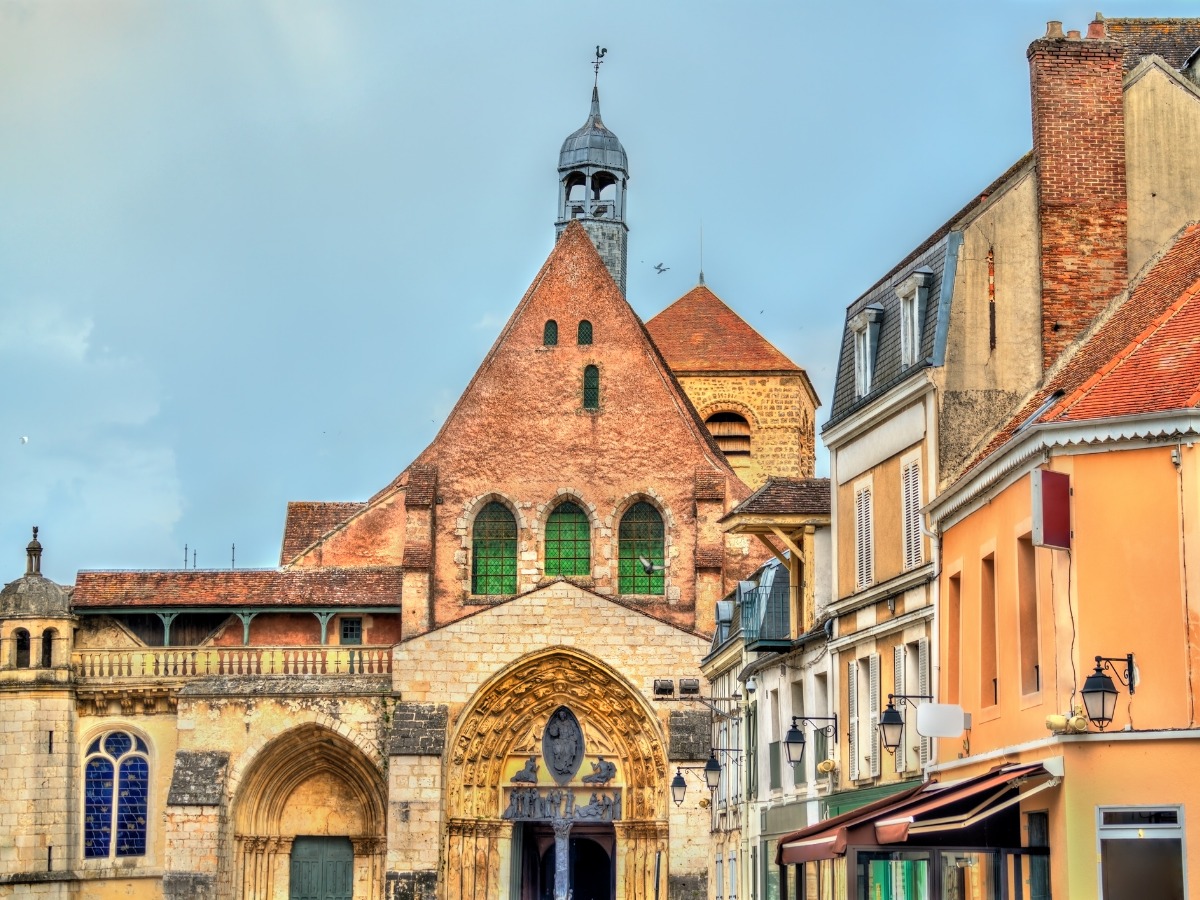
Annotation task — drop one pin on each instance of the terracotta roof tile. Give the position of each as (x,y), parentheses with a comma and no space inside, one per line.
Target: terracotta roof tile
(239,587)
(699,333)
(1142,356)
(1175,40)
(419,556)
(709,558)
(422,486)
(710,485)
(306,522)
(787,497)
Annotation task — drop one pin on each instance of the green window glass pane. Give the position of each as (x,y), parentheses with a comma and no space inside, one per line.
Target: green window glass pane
(591,388)
(550,333)
(494,556)
(568,541)
(585,332)
(640,551)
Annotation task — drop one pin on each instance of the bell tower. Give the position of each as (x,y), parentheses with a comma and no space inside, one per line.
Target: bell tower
(592,175)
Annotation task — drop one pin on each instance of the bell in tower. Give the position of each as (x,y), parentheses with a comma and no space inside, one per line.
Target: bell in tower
(592,174)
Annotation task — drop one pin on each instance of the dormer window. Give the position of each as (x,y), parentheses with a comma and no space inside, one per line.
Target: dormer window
(865,326)
(914,295)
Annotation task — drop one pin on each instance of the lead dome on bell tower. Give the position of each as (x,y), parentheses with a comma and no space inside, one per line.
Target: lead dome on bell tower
(593,172)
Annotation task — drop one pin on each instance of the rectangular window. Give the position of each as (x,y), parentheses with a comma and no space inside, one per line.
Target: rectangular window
(1141,853)
(910,490)
(352,630)
(774,756)
(989,685)
(953,637)
(1027,612)
(1038,832)
(718,876)
(820,740)
(865,327)
(910,330)
(864,561)
(852,716)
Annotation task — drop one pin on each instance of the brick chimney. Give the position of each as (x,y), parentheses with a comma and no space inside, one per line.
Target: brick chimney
(1079,148)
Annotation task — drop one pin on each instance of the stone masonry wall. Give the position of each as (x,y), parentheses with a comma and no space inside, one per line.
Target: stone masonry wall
(780,412)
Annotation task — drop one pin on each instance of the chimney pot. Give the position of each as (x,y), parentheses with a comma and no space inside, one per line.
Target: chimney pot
(1097,30)
(1054,31)
(1072,35)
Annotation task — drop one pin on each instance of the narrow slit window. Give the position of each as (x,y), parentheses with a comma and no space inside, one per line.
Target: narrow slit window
(591,388)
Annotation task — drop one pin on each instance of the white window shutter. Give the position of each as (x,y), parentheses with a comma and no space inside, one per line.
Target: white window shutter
(898,669)
(852,711)
(863,537)
(924,688)
(910,485)
(874,727)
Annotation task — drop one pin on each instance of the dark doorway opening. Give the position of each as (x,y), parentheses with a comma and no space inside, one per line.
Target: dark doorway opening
(591,863)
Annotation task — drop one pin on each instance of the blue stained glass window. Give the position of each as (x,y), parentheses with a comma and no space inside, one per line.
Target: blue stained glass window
(131,807)
(97,811)
(116,796)
(118,743)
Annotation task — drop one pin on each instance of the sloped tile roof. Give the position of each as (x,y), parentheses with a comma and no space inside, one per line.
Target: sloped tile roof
(1144,356)
(699,333)
(1175,40)
(308,521)
(787,497)
(378,587)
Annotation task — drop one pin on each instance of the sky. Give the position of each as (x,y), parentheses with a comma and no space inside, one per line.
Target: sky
(252,252)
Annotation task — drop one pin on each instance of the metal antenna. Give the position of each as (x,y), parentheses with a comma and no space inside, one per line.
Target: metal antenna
(193,559)
(185,549)
(702,251)
(233,556)
(597,62)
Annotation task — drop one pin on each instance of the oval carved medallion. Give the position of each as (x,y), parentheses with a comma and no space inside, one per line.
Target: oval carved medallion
(562,745)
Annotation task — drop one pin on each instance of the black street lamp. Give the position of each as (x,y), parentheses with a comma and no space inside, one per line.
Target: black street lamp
(1099,692)
(891,723)
(793,741)
(712,778)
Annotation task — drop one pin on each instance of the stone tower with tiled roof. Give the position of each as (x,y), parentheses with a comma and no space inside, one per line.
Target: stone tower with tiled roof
(593,171)
(757,403)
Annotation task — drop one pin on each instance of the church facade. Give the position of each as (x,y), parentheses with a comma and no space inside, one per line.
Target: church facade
(447,690)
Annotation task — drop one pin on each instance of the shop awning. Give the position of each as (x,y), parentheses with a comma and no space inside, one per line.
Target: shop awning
(930,807)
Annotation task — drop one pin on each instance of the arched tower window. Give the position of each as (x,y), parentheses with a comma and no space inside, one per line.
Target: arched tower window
(21,648)
(732,433)
(640,551)
(48,638)
(550,333)
(591,388)
(116,779)
(568,541)
(604,195)
(575,189)
(585,332)
(494,551)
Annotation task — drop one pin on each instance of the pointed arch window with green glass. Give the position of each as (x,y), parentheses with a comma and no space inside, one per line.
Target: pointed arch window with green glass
(591,388)
(568,541)
(494,551)
(640,559)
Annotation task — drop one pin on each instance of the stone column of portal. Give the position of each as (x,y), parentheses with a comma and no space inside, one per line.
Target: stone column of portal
(562,857)
(638,847)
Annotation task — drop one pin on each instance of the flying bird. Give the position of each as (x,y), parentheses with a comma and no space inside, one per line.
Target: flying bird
(660,268)
(650,567)
(24,439)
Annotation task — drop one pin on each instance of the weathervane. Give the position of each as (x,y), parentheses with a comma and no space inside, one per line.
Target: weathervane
(600,53)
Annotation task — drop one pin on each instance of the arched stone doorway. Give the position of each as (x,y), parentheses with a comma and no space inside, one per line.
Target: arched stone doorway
(313,784)
(525,778)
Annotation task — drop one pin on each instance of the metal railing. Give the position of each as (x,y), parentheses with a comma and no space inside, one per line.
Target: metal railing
(194,662)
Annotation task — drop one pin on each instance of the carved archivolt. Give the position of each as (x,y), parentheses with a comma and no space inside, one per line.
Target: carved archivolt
(514,706)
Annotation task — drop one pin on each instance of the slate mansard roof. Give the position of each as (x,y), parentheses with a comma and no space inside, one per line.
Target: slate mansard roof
(937,256)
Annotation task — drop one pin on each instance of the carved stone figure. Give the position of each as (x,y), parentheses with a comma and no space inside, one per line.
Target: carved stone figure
(602,772)
(527,774)
(562,745)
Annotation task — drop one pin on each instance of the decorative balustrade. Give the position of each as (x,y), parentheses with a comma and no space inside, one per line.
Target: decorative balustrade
(192,662)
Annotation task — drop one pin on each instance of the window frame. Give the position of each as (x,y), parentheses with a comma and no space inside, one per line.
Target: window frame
(555,568)
(628,579)
(550,333)
(139,750)
(1176,831)
(477,578)
(350,623)
(865,328)
(914,297)
(584,333)
(591,388)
